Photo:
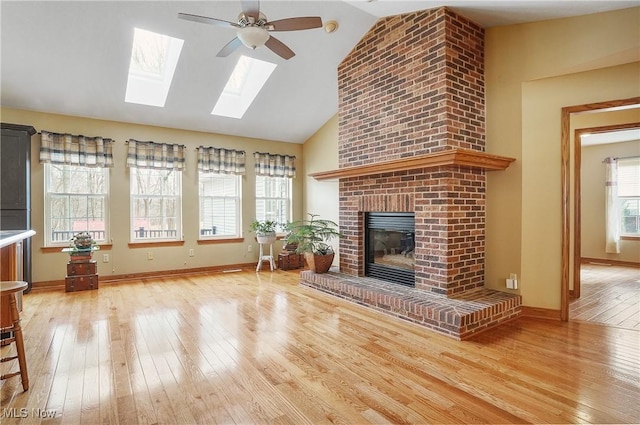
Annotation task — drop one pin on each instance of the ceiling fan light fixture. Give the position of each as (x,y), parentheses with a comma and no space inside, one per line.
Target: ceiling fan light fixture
(253,37)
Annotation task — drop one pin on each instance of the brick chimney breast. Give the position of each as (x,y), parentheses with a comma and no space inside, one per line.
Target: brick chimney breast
(415,85)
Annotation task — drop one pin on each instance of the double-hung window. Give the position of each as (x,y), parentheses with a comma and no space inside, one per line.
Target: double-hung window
(273,199)
(156,203)
(76,181)
(220,172)
(220,205)
(629,196)
(155,176)
(76,200)
(273,186)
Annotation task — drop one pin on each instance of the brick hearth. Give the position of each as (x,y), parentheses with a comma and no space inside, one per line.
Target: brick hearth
(414,86)
(460,317)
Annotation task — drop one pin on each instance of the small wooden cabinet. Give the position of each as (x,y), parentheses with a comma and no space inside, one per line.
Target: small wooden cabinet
(82,275)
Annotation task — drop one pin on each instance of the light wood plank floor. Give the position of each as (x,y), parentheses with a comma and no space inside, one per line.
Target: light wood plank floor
(609,295)
(242,348)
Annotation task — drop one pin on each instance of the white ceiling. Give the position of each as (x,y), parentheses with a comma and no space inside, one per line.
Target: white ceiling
(616,136)
(72,57)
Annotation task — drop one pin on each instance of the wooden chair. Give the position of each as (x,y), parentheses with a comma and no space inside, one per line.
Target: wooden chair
(10,325)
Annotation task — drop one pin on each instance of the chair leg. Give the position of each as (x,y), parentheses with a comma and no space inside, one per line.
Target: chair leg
(17,333)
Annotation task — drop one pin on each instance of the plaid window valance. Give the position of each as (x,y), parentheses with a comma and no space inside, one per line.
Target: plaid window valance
(274,165)
(161,156)
(221,161)
(68,149)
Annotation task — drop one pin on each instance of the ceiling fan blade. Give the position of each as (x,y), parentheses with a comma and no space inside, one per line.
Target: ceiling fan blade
(207,20)
(251,8)
(229,48)
(279,48)
(294,24)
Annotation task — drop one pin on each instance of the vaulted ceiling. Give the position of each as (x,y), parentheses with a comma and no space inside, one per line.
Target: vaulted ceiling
(72,57)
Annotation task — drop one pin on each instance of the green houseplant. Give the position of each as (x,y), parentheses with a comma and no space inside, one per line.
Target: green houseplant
(311,237)
(265,230)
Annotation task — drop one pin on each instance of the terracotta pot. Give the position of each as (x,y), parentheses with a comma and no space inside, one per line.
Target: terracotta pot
(319,263)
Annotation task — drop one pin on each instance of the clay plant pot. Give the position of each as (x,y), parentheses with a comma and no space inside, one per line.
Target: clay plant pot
(319,263)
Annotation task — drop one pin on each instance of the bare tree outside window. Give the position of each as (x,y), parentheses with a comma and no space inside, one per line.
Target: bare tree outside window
(156,202)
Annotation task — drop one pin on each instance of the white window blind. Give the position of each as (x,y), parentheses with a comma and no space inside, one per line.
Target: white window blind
(629,177)
(220,205)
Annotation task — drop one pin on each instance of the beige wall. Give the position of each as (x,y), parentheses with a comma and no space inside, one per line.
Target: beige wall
(592,199)
(124,260)
(320,153)
(532,71)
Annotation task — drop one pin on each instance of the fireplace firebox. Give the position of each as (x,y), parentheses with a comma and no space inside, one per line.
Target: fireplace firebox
(390,247)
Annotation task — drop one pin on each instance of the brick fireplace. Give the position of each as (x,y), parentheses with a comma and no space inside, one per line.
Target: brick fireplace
(411,115)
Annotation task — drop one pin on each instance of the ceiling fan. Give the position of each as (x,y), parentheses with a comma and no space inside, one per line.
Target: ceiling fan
(253,29)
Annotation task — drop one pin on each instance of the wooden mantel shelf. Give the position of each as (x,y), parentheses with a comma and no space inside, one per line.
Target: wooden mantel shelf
(462,157)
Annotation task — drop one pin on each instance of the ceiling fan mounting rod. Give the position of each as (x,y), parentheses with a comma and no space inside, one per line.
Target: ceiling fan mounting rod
(250,21)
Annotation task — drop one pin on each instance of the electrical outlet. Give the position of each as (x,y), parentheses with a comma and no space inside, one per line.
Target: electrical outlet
(191,252)
(249,248)
(149,255)
(105,258)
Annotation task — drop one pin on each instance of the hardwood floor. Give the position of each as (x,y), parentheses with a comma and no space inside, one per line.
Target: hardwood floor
(241,348)
(609,295)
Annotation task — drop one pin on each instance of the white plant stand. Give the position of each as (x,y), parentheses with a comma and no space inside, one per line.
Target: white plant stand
(262,257)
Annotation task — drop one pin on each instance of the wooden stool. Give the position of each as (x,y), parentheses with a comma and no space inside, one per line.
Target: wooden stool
(9,289)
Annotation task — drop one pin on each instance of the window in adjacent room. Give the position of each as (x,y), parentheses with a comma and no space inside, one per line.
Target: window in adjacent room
(629,195)
(156,204)
(76,200)
(220,205)
(273,199)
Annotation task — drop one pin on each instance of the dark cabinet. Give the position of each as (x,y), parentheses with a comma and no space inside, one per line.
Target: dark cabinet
(15,185)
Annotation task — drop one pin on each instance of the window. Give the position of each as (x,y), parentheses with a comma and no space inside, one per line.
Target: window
(629,195)
(244,84)
(220,205)
(76,200)
(273,199)
(156,203)
(154,58)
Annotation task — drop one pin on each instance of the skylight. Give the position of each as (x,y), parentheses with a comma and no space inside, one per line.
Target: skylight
(245,82)
(153,61)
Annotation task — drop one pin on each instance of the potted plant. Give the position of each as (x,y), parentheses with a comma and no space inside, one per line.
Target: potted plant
(82,241)
(312,237)
(265,230)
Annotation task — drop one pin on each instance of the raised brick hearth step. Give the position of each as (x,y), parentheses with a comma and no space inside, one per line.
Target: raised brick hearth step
(460,316)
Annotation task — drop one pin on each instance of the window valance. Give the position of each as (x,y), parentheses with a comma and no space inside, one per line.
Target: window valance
(274,165)
(68,149)
(221,161)
(162,156)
